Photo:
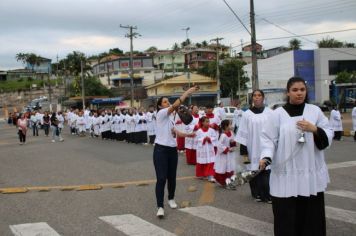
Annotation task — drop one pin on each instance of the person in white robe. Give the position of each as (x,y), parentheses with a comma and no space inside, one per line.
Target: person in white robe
(225,161)
(96,125)
(81,125)
(292,145)
(206,146)
(248,136)
(336,123)
(353,116)
(190,142)
(237,118)
(151,124)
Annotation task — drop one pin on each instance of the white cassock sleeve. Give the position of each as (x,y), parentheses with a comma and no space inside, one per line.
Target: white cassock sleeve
(223,140)
(324,124)
(269,136)
(242,134)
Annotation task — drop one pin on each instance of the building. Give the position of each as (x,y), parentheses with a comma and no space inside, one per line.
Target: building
(174,87)
(44,66)
(318,67)
(246,53)
(198,57)
(275,51)
(115,72)
(169,61)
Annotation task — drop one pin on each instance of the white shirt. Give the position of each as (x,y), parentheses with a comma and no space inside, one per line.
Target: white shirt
(335,120)
(353,115)
(165,124)
(297,169)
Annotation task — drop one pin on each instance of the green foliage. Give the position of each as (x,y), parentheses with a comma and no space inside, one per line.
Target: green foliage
(22,84)
(230,72)
(330,43)
(345,77)
(30,58)
(152,49)
(92,87)
(295,44)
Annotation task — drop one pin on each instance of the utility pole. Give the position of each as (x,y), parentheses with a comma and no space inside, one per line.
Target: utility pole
(217,66)
(49,91)
(82,79)
(255,84)
(131,35)
(188,66)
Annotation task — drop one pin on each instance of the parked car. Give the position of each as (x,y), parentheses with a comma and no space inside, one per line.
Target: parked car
(229,111)
(275,105)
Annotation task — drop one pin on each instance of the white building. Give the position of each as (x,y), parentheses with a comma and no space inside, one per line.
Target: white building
(318,67)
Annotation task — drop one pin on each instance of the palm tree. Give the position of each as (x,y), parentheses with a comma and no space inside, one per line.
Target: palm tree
(175,47)
(295,44)
(30,58)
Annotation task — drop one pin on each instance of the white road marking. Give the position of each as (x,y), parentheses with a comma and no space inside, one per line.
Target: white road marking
(133,225)
(342,193)
(33,229)
(231,220)
(340,214)
(341,165)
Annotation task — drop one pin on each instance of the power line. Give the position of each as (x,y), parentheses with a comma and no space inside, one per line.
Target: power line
(302,35)
(237,17)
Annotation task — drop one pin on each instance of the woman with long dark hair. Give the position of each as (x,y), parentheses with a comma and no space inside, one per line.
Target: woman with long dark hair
(248,135)
(165,156)
(293,144)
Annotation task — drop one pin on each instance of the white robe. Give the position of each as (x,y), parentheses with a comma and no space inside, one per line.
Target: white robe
(335,120)
(237,118)
(225,162)
(151,123)
(249,134)
(353,115)
(297,169)
(190,142)
(205,152)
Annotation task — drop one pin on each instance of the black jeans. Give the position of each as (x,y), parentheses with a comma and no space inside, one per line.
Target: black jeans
(259,186)
(35,130)
(46,129)
(165,160)
(22,137)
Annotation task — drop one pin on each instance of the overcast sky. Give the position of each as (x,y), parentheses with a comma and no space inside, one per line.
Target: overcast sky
(58,27)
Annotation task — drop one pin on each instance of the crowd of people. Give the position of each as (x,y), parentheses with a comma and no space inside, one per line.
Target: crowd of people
(284,146)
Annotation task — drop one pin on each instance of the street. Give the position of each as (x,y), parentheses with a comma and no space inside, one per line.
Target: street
(88,186)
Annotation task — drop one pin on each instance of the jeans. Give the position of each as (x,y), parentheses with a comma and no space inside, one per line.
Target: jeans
(165,160)
(46,129)
(35,129)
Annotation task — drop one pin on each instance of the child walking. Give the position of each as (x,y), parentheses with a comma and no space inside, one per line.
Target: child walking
(206,140)
(225,163)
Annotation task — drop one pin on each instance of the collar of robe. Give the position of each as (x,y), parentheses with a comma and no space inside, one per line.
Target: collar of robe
(205,129)
(210,115)
(228,133)
(257,110)
(294,109)
(195,115)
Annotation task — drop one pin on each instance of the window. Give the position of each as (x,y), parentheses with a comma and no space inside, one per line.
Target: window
(340,66)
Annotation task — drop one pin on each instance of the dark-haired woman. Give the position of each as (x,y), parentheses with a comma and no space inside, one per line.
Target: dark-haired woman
(165,156)
(293,145)
(248,135)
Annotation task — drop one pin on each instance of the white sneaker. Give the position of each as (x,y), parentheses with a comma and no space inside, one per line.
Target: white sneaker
(53,141)
(160,212)
(211,179)
(61,140)
(172,204)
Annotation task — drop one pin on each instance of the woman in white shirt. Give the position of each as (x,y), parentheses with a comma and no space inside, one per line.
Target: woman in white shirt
(293,145)
(353,115)
(165,156)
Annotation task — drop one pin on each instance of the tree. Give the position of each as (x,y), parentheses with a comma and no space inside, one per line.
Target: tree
(152,49)
(185,43)
(73,63)
(198,45)
(231,74)
(116,51)
(329,43)
(92,87)
(204,44)
(30,58)
(175,47)
(345,77)
(295,44)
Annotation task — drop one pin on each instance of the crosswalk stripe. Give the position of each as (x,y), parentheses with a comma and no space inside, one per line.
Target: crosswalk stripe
(133,225)
(340,214)
(342,193)
(231,220)
(33,229)
(341,165)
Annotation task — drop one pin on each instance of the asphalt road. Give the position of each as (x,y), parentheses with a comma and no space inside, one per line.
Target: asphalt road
(53,173)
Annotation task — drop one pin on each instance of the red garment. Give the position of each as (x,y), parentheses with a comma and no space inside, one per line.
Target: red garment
(214,126)
(191,155)
(204,170)
(195,115)
(210,115)
(180,143)
(226,150)
(220,178)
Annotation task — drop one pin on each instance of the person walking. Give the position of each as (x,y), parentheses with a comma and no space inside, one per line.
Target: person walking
(22,124)
(165,156)
(46,123)
(336,123)
(353,115)
(292,145)
(248,135)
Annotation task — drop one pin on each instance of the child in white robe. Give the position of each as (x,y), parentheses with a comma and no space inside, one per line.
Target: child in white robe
(206,140)
(225,161)
(336,123)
